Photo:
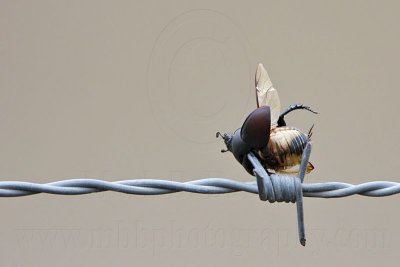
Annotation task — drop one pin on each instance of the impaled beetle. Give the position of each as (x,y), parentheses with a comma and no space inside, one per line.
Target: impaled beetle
(278,147)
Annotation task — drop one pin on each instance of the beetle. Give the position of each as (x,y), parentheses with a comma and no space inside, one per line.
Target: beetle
(278,147)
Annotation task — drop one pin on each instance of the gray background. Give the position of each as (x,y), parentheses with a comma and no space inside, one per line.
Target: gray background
(124,90)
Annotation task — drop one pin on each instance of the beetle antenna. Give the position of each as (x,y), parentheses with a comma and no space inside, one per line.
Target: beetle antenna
(222,135)
(227,139)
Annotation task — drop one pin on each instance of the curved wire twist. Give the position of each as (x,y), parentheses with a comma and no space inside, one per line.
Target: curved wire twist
(202,186)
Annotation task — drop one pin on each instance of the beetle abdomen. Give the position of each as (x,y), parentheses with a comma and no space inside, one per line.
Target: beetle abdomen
(284,148)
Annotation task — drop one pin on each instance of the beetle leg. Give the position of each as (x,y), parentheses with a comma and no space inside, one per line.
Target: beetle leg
(281,120)
(310,132)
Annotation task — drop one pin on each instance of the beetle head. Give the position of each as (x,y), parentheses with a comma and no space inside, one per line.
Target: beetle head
(254,135)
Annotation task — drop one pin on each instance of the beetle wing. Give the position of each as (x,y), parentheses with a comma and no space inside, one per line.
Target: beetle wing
(267,94)
(293,170)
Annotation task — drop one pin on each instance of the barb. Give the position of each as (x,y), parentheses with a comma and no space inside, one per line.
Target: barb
(202,186)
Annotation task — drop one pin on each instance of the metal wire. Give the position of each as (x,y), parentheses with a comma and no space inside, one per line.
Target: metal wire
(202,186)
(268,186)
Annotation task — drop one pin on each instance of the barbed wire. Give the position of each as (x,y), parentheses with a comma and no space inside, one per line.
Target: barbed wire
(269,186)
(202,186)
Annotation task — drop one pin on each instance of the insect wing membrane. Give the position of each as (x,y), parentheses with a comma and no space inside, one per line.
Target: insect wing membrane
(293,170)
(267,94)
(275,106)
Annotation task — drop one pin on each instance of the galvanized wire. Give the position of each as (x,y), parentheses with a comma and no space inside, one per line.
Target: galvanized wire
(202,186)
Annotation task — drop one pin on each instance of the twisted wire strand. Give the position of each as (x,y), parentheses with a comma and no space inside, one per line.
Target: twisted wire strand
(202,186)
